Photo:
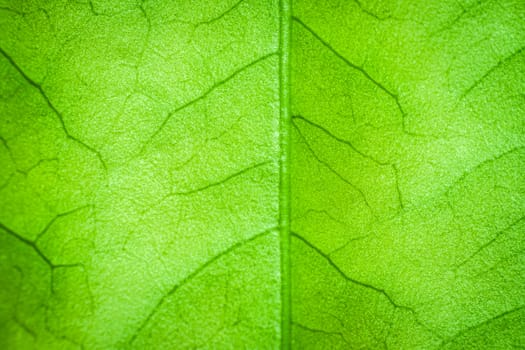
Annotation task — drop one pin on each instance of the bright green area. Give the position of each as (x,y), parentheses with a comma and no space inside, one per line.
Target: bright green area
(218,174)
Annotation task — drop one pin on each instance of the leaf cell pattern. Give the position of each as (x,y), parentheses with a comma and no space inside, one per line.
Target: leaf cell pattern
(244,174)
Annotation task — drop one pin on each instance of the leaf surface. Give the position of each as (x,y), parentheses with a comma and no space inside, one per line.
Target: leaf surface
(139,175)
(407,175)
(243,174)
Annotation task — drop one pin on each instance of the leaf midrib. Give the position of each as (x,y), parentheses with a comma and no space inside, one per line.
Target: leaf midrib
(284,183)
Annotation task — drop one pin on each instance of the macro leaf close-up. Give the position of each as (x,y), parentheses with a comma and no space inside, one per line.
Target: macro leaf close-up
(262,174)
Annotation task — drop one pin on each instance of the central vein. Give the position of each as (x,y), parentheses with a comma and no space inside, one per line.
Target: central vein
(284,188)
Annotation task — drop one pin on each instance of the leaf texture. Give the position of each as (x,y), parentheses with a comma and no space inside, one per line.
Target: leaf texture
(244,174)
(407,175)
(139,197)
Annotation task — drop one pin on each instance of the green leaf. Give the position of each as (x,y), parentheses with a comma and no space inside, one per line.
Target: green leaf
(139,193)
(408,191)
(262,174)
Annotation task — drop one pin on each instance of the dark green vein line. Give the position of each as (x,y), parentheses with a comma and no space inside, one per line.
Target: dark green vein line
(51,106)
(33,245)
(479,166)
(220,182)
(481,324)
(370,13)
(348,63)
(343,274)
(285,10)
(203,96)
(222,15)
(499,64)
(337,138)
(320,331)
(191,276)
(29,243)
(331,169)
(57,217)
(350,279)
(378,84)
(489,243)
